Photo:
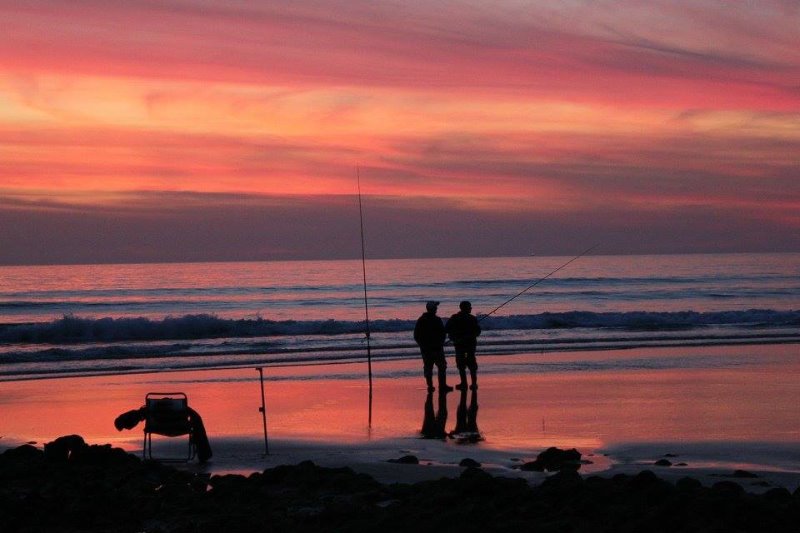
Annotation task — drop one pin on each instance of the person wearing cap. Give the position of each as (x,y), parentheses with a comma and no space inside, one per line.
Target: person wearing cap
(429,335)
(463,329)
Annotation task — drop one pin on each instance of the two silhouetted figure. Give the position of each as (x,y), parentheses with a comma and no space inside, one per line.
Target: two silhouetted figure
(430,333)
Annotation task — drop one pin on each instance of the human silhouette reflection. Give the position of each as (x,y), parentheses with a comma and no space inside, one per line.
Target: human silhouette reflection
(433,424)
(466,429)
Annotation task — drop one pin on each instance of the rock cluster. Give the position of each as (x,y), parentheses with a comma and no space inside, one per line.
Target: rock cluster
(99,488)
(554,460)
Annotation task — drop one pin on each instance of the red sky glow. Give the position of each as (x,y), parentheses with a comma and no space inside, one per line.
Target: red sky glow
(657,127)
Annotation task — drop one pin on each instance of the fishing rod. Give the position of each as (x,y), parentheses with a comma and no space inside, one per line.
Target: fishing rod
(538,281)
(366,301)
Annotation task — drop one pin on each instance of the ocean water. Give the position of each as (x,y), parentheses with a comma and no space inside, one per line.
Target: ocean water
(95,319)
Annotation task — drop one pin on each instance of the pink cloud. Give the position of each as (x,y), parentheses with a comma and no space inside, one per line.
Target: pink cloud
(526,110)
(455,45)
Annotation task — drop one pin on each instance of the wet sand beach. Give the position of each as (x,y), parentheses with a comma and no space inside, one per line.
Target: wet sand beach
(671,439)
(714,411)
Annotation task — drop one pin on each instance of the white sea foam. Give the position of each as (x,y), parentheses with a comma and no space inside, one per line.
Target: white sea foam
(72,329)
(82,345)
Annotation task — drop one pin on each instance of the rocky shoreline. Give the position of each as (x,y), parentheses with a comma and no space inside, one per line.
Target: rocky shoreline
(71,486)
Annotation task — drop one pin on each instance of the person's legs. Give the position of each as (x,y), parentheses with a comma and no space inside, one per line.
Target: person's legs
(427,370)
(441,365)
(473,372)
(472,364)
(461,364)
(443,386)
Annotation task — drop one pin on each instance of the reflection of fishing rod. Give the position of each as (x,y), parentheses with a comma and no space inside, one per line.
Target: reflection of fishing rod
(538,281)
(366,304)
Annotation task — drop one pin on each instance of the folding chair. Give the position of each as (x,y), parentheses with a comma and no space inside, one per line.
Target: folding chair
(167,414)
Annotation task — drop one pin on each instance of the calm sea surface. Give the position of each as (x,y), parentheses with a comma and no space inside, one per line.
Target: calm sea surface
(59,320)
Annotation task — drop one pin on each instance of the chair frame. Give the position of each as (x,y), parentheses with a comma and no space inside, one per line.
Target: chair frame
(173,423)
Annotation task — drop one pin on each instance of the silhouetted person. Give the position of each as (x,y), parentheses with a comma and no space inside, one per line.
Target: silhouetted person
(433,425)
(463,330)
(429,335)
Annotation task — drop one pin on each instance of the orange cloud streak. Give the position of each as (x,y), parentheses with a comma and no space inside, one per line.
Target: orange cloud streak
(524,106)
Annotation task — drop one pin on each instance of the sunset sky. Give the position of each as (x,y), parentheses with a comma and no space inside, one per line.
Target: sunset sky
(207,130)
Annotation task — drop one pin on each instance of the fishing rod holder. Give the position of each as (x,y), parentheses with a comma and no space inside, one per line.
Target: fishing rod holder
(263,408)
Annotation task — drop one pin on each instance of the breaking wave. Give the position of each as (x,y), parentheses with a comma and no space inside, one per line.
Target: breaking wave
(72,329)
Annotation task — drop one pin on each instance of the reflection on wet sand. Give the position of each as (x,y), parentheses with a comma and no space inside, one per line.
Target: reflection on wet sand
(751,401)
(433,424)
(466,430)
(435,420)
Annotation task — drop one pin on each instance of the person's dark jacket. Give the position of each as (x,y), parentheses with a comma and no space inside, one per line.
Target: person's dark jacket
(429,331)
(463,328)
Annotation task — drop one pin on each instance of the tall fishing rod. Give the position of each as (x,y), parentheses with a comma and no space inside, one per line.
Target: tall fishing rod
(366,301)
(538,281)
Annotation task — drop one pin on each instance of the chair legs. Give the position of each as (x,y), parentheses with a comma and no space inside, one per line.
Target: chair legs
(147,450)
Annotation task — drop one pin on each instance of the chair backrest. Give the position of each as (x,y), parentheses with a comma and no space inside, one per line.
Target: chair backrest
(167,413)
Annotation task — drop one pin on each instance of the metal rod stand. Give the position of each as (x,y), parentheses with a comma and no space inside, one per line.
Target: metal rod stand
(263,409)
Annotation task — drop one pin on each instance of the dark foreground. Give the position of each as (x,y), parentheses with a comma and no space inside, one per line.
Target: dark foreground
(75,487)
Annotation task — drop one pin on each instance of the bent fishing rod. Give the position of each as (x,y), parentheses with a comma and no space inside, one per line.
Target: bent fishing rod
(534,284)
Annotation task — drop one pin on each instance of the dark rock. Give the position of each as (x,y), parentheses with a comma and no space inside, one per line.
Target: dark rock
(93,491)
(727,489)
(662,462)
(474,473)
(406,460)
(469,463)
(19,462)
(644,478)
(681,464)
(744,474)
(779,494)
(26,452)
(63,448)
(648,485)
(565,480)
(621,479)
(670,455)
(103,455)
(73,449)
(688,484)
(553,460)
(225,483)
(596,481)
